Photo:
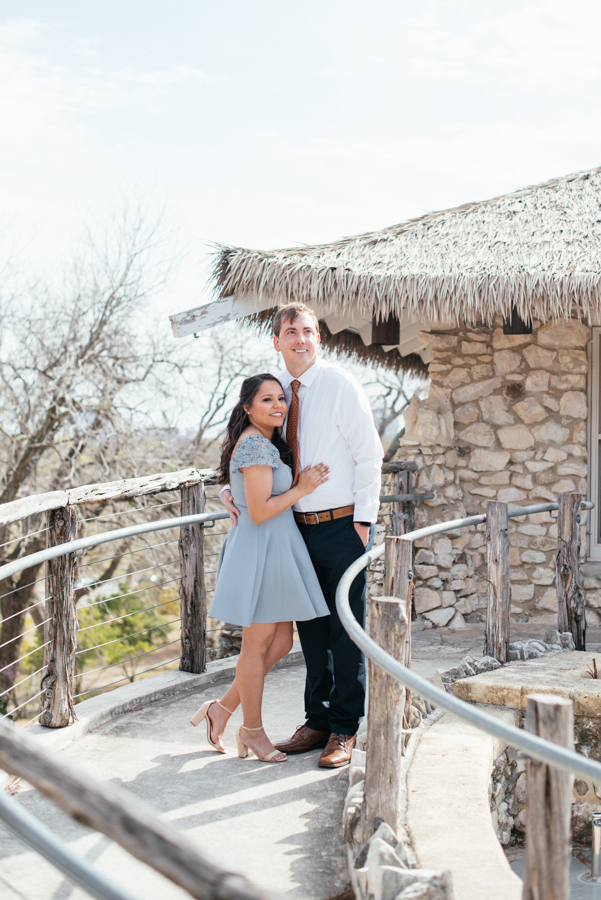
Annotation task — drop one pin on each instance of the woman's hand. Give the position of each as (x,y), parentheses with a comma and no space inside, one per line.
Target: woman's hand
(311,477)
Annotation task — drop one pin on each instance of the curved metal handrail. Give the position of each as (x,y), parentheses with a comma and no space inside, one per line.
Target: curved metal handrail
(534,746)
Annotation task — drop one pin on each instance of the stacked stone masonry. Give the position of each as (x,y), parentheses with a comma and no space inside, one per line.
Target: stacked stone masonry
(505,419)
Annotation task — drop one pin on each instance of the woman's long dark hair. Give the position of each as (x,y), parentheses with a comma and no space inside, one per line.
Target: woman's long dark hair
(239,421)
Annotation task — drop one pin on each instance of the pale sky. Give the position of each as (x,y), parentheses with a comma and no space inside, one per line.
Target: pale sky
(265,123)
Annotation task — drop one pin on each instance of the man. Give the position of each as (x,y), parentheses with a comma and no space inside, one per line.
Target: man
(329,420)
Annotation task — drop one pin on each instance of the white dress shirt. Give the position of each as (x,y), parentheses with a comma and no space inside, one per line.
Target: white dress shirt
(336,427)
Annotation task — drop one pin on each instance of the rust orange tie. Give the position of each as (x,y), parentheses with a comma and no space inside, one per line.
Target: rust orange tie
(292,428)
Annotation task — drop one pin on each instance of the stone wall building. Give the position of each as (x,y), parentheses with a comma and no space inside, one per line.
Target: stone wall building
(499,303)
(505,419)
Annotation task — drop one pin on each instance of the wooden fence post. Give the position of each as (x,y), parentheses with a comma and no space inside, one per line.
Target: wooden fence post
(548,803)
(497,610)
(388,626)
(571,613)
(398,582)
(60,632)
(192,593)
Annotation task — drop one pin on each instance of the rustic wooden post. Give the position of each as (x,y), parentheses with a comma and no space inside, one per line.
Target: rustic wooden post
(398,582)
(548,803)
(496,637)
(388,626)
(192,593)
(571,614)
(60,632)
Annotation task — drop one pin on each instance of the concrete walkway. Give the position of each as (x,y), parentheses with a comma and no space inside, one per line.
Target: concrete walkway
(278,824)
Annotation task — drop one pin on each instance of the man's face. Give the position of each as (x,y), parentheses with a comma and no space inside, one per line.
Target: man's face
(298,342)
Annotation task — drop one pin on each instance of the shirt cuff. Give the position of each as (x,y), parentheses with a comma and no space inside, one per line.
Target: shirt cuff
(225,487)
(365,514)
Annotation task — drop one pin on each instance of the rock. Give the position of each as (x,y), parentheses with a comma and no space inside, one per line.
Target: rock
(424,556)
(465,605)
(537,358)
(489,460)
(538,380)
(510,495)
(568,335)
(579,434)
(515,437)
(459,571)
(581,787)
(480,434)
(568,382)
(442,545)
(543,576)
(573,467)
(502,341)
(582,819)
(506,361)
(498,478)
(466,414)
(552,636)
(534,465)
(439,341)
(550,433)
(457,622)
(448,598)
(573,403)
(593,598)
(554,455)
(473,348)
(533,556)
(522,592)
(530,410)
(426,599)
(426,571)
(429,422)
(472,392)
(440,617)
(456,377)
(429,885)
(573,361)
(565,486)
(523,481)
(494,409)
(567,640)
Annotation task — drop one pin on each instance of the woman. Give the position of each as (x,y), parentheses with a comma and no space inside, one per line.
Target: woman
(265,578)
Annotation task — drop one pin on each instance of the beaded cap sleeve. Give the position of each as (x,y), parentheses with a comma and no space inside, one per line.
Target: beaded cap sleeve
(254,450)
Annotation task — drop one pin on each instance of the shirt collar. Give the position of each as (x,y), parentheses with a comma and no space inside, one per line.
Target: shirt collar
(307,378)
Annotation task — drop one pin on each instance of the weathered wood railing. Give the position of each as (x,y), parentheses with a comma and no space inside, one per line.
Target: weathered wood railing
(389,690)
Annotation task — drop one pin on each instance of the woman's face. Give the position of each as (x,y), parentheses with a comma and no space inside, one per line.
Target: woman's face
(268,407)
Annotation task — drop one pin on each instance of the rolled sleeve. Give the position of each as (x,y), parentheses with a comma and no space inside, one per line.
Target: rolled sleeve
(357,425)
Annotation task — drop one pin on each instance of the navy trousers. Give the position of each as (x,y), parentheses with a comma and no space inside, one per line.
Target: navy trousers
(335,686)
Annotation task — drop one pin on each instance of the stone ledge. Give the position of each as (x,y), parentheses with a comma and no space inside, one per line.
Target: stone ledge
(564,675)
(448,813)
(94,713)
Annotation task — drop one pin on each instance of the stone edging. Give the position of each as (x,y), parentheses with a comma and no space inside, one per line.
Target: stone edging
(94,713)
(385,867)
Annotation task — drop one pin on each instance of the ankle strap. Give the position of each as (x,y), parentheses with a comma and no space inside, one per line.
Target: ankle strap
(260,728)
(219,703)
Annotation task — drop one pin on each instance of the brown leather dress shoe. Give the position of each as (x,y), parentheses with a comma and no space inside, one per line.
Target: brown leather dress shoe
(338,751)
(303,739)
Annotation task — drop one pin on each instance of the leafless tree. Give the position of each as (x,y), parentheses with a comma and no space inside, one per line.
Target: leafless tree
(77,361)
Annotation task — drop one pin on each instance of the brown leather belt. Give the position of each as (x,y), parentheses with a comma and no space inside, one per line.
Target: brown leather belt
(324,515)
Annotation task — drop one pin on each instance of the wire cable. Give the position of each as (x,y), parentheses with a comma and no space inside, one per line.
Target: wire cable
(27,608)
(129,594)
(17,708)
(23,633)
(101,687)
(96,562)
(8,690)
(132,509)
(129,659)
(125,616)
(126,637)
(24,657)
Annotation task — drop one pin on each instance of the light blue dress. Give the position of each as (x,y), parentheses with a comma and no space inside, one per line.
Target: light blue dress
(264,573)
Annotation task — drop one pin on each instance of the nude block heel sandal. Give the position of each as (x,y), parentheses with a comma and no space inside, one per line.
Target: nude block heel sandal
(275,756)
(203,713)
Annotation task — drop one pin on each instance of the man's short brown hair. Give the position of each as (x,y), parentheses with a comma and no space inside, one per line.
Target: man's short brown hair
(289,313)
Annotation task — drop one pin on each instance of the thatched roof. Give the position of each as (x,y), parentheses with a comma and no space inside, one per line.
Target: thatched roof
(538,249)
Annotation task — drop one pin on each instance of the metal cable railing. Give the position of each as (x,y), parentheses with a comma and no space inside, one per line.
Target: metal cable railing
(122,591)
(535,747)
